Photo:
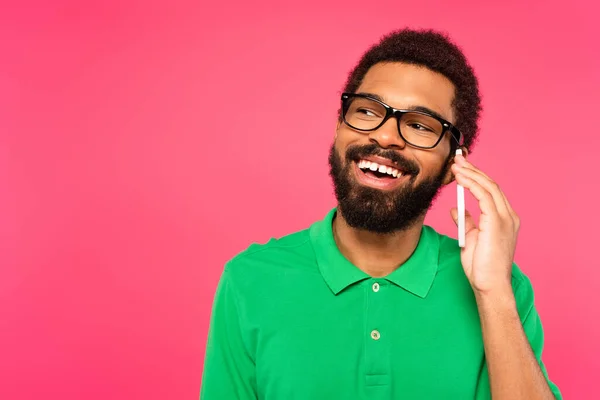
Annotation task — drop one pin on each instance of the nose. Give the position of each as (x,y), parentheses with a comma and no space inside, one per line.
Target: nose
(387,135)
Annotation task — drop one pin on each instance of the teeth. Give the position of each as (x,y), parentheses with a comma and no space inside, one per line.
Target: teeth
(384,169)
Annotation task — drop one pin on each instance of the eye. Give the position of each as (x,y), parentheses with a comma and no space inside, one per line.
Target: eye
(417,126)
(367,112)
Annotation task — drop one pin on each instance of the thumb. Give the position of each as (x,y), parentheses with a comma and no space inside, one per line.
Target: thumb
(454,215)
(469,220)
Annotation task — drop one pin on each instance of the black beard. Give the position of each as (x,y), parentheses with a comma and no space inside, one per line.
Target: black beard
(376,210)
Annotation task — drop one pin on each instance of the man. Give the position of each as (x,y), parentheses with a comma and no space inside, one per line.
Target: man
(369,303)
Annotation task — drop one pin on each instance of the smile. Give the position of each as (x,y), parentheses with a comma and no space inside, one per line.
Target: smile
(380,174)
(379,170)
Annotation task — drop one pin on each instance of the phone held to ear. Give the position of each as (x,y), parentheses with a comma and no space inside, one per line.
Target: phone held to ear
(460,198)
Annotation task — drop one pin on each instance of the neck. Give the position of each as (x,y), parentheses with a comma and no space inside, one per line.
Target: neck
(376,254)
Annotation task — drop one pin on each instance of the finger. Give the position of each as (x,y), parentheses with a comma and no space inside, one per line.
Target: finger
(469,220)
(463,162)
(488,185)
(487,204)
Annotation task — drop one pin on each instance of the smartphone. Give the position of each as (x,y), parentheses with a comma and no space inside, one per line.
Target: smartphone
(460,199)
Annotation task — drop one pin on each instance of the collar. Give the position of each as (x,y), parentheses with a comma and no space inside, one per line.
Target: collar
(416,275)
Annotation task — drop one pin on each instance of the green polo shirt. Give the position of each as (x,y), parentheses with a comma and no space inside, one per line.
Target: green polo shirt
(294,319)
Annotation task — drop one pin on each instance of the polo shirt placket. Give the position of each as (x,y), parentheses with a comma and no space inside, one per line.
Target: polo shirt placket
(378,337)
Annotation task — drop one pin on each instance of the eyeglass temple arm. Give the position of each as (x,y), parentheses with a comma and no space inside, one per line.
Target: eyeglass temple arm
(460,139)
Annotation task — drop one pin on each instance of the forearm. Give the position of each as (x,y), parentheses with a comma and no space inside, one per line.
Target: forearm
(513,369)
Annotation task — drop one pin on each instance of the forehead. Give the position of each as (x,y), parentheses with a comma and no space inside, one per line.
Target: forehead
(404,86)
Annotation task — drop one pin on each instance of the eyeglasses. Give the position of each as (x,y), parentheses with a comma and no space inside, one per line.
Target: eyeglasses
(417,128)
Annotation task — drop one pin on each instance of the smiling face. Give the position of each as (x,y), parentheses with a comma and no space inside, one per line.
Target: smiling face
(382,184)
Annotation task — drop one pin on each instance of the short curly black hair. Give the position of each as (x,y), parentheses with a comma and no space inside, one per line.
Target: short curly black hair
(435,51)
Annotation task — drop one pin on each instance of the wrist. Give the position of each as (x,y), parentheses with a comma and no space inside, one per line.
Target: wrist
(501,298)
(496,283)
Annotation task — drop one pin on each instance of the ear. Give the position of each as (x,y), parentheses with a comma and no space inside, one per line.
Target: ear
(337,128)
(449,177)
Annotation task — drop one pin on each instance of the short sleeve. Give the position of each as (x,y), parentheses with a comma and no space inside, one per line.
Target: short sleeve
(532,325)
(229,370)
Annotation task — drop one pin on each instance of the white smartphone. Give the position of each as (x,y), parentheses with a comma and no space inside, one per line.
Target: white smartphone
(460,199)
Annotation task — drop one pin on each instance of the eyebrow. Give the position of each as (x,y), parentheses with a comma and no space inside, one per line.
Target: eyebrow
(412,108)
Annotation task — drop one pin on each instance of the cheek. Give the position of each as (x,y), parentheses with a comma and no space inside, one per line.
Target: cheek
(341,144)
(339,150)
(347,136)
(431,164)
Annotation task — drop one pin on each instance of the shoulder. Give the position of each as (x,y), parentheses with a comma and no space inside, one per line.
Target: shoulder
(292,251)
(291,244)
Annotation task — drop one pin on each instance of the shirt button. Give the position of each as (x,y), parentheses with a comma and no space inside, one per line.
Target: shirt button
(376,287)
(375,334)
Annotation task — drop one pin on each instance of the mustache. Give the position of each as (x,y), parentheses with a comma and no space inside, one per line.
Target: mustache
(357,152)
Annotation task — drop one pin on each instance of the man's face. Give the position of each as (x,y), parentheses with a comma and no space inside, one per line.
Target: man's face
(379,202)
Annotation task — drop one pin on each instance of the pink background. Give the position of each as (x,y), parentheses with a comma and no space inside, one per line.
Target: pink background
(142,145)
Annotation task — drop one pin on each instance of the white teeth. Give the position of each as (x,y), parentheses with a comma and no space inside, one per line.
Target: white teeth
(384,169)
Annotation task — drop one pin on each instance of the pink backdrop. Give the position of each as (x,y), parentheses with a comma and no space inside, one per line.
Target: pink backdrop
(143,145)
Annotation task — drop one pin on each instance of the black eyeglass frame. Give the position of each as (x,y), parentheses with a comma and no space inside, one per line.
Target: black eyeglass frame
(393,112)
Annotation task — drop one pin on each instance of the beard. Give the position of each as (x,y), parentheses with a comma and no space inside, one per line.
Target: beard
(376,210)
